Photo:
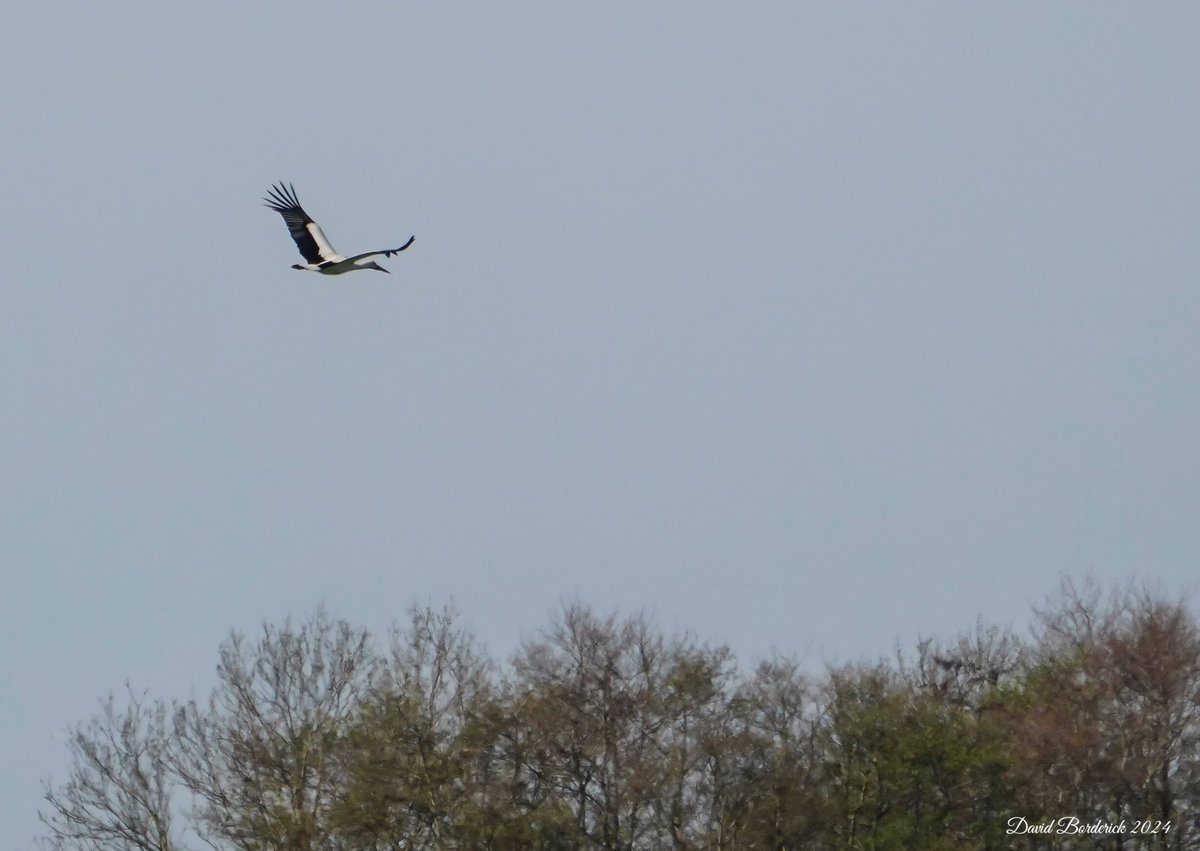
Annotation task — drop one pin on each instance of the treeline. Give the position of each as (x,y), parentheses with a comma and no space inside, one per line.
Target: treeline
(605,733)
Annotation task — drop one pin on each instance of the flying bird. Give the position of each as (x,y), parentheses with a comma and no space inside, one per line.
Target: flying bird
(312,243)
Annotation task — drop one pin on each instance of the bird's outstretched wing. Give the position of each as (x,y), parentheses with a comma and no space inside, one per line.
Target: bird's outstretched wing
(308,236)
(387,252)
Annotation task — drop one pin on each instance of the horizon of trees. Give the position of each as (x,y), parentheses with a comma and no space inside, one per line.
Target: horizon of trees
(602,732)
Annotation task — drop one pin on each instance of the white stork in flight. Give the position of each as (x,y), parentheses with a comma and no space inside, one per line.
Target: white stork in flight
(312,242)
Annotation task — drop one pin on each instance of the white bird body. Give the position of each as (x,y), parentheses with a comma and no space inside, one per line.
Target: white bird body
(311,241)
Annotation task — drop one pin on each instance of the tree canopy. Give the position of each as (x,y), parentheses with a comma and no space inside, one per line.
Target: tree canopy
(603,732)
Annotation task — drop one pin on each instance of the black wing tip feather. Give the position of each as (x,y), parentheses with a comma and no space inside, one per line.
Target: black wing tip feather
(282,199)
(392,251)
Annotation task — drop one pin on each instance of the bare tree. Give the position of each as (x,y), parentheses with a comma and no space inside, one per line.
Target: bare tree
(415,768)
(689,707)
(766,767)
(117,795)
(583,692)
(260,757)
(618,724)
(1108,719)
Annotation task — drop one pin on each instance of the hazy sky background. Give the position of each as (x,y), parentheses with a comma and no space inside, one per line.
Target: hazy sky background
(808,326)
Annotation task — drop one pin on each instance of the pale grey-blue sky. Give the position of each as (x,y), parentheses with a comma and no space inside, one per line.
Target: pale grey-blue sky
(803,325)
